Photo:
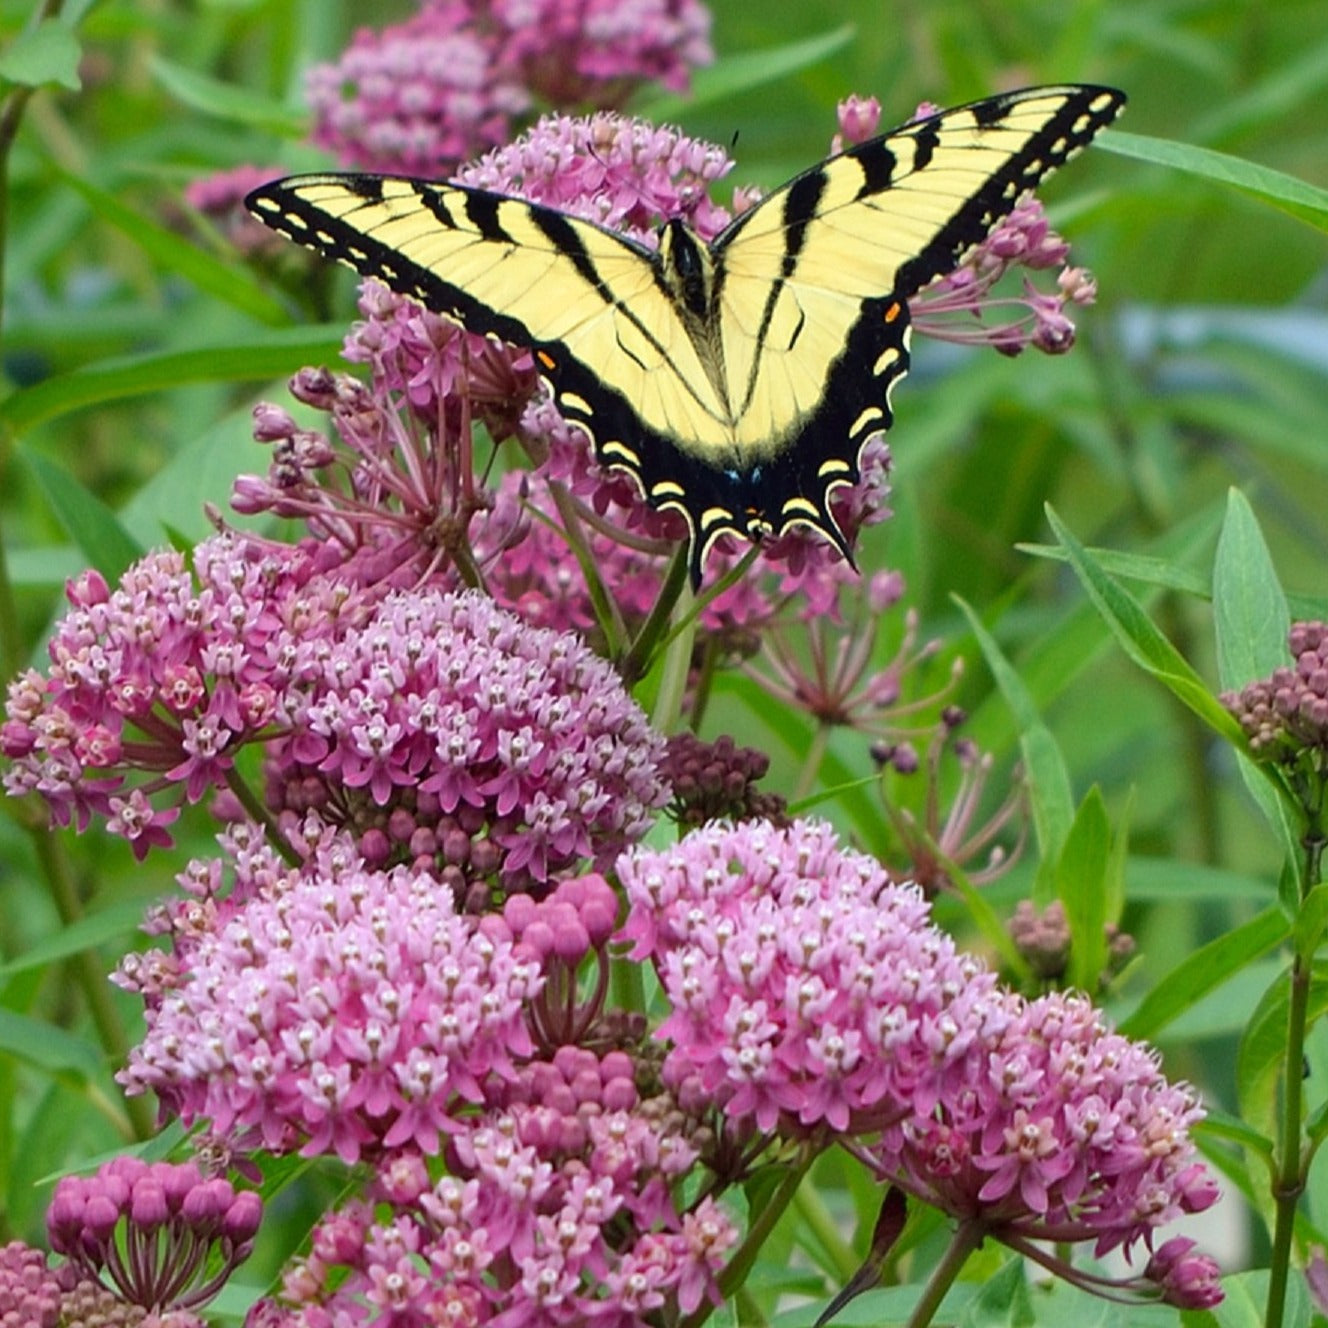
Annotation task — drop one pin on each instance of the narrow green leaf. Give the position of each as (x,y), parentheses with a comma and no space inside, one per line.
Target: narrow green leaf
(1113,880)
(1223,1125)
(1250,610)
(1169,880)
(1251,619)
(1081,887)
(1206,969)
(226,101)
(1141,639)
(231,282)
(1167,575)
(87,521)
(47,53)
(1262,1072)
(115,923)
(262,357)
(745,71)
(1051,800)
(1148,571)
(42,1044)
(1306,202)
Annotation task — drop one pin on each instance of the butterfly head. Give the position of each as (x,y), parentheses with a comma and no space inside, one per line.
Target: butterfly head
(686,267)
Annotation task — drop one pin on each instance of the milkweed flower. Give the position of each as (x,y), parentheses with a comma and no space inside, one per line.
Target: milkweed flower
(420,97)
(329,1008)
(1285,716)
(812,996)
(444,729)
(160,1236)
(155,686)
(557,1207)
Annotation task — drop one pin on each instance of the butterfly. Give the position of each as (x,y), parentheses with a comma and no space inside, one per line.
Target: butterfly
(736,380)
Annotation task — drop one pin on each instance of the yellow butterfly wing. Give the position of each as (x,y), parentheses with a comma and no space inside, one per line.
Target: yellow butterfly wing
(589,301)
(816,278)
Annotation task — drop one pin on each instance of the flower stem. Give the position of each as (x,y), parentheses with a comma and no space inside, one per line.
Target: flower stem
(1290,1182)
(819,1221)
(736,1270)
(88,970)
(811,764)
(966,1239)
(261,816)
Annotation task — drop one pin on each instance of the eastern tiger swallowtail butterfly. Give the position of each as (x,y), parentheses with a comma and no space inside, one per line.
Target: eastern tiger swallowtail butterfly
(736,380)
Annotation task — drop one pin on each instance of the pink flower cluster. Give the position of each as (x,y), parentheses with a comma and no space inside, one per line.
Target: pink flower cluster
(505,751)
(808,991)
(422,96)
(627,175)
(158,682)
(330,1007)
(438,727)
(556,1209)
(1285,716)
(164,1237)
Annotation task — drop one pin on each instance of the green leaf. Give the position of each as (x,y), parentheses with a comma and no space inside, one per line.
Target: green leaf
(1206,969)
(1081,885)
(231,282)
(1250,610)
(1251,618)
(1002,1299)
(1140,567)
(1141,639)
(116,923)
(1261,1068)
(1307,202)
(1169,880)
(1222,1125)
(743,72)
(1311,920)
(87,521)
(226,101)
(47,53)
(262,357)
(44,1045)
(1051,800)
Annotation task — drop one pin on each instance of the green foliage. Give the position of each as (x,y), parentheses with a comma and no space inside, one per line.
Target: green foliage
(1108,538)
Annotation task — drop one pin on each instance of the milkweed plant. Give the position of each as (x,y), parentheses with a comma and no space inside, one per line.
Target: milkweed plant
(516,989)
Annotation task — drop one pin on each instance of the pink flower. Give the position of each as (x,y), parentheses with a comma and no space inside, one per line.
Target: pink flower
(164,1237)
(331,1008)
(809,992)
(559,1205)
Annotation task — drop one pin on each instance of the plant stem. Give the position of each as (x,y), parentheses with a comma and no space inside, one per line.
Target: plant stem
(966,1239)
(1290,1182)
(811,763)
(736,1270)
(819,1221)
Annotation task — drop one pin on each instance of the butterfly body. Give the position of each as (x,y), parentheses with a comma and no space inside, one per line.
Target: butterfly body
(737,380)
